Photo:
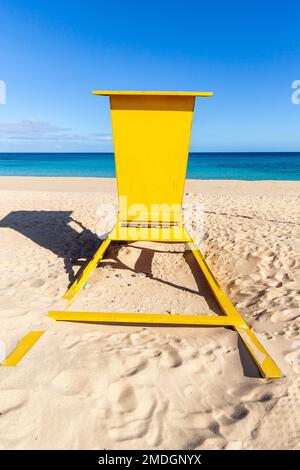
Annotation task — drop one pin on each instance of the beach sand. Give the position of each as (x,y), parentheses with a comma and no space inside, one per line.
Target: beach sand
(90,386)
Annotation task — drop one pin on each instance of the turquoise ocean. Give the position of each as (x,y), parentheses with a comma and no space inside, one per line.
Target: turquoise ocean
(241,166)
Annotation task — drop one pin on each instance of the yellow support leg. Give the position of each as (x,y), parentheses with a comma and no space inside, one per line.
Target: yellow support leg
(231,317)
(265,363)
(23,347)
(81,280)
(263,360)
(141,318)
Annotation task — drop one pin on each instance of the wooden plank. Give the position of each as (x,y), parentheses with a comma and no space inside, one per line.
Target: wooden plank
(22,348)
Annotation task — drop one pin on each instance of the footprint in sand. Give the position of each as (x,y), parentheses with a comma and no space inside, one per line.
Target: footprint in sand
(293,357)
(71,382)
(11,400)
(14,430)
(37,283)
(123,397)
(271,434)
(132,412)
(198,401)
(291,331)
(126,362)
(212,358)
(285,315)
(192,429)
(170,357)
(133,365)
(13,312)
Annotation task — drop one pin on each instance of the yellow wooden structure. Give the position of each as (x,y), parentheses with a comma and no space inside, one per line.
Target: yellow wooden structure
(24,345)
(151,132)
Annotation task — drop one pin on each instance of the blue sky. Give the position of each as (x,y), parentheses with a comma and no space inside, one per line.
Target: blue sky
(53,53)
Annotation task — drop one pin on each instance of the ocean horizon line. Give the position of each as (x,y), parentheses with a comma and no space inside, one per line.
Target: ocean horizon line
(252,166)
(191,152)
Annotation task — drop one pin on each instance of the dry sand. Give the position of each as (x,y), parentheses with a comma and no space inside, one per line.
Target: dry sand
(89,386)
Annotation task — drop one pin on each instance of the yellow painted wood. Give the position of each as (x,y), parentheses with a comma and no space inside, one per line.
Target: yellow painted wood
(143,231)
(23,347)
(263,360)
(217,290)
(232,317)
(151,143)
(81,280)
(265,363)
(140,318)
(154,93)
(151,133)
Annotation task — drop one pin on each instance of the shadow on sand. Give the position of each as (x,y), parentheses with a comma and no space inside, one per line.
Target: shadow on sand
(52,231)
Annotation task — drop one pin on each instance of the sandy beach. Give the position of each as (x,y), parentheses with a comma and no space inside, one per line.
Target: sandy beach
(90,386)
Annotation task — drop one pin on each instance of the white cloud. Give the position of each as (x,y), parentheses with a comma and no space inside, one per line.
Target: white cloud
(33,130)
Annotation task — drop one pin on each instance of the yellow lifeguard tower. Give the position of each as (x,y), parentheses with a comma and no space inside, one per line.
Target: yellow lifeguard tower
(151,132)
